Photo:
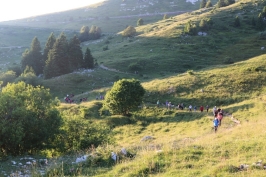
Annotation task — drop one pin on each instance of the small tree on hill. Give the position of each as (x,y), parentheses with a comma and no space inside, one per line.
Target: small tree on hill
(48,46)
(165,17)
(190,28)
(88,60)
(209,4)
(203,4)
(140,22)
(130,31)
(32,57)
(126,95)
(205,24)
(75,54)
(221,3)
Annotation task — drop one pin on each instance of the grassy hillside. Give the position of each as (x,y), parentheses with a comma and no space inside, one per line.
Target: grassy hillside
(183,143)
(225,68)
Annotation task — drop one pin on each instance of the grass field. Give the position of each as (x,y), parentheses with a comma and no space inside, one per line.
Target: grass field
(226,68)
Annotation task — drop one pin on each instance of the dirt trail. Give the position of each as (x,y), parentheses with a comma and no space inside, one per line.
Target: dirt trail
(112,69)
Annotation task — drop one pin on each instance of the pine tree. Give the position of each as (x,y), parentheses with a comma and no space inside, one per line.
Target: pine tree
(84,33)
(165,17)
(203,4)
(209,4)
(88,59)
(140,22)
(75,54)
(190,28)
(221,3)
(48,46)
(32,57)
(95,32)
(58,59)
(130,31)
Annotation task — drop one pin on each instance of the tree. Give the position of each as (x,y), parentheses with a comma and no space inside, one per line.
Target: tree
(140,22)
(84,33)
(237,22)
(48,46)
(205,24)
(75,54)
(95,32)
(58,59)
(165,17)
(32,57)
(126,95)
(203,4)
(29,120)
(221,3)
(130,31)
(190,28)
(209,4)
(88,59)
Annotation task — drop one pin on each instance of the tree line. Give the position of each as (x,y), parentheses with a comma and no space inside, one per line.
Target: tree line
(59,56)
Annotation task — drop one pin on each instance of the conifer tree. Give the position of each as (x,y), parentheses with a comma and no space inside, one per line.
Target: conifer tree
(209,4)
(140,22)
(203,4)
(88,59)
(75,54)
(48,46)
(84,33)
(221,3)
(32,57)
(130,31)
(58,59)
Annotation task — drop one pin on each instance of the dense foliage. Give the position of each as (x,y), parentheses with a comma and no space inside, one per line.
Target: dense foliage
(126,95)
(87,33)
(59,57)
(29,120)
(130,31)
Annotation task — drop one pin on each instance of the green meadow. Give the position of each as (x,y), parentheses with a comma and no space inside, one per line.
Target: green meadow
(224,68)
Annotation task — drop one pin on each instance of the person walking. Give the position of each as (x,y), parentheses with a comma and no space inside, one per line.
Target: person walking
(190,108)
(201,108)
(207,108)
(220,117)
(195,108)
(158,103)
(215,124)
(214,110)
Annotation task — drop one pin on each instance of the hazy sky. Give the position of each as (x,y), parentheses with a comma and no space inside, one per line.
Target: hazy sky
(16,9)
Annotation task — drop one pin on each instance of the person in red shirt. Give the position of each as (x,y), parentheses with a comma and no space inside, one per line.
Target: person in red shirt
(201,108)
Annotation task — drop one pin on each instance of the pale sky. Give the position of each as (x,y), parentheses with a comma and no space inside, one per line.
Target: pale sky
(17,9)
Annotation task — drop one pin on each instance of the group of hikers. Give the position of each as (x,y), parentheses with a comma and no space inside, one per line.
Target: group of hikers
(217,112)
(69,99)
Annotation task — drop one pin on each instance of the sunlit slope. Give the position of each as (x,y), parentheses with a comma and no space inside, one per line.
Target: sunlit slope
(162,47)
(184,143)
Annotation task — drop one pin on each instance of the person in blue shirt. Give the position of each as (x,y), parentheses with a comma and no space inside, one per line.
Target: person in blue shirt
(215,124)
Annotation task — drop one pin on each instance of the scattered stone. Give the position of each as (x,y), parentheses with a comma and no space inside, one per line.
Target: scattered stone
(145,138)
